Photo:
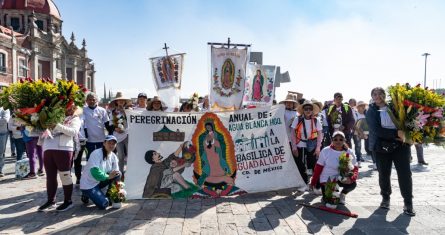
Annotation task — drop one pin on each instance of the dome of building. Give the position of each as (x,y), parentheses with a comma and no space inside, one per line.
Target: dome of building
(38,6)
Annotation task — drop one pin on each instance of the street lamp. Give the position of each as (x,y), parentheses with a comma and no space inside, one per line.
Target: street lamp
(424,79)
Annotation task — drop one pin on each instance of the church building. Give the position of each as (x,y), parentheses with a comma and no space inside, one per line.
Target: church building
(32,45)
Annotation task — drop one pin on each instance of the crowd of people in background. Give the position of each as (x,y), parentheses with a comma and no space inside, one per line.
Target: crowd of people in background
(317,134)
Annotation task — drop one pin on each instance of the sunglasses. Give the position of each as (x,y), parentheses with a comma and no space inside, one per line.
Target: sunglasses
(338,139)
(307,109)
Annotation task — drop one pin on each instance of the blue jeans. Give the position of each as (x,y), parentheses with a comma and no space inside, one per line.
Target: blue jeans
(3,140)
(92,146)
(12,143)
(20,147)
(97,196)
(357,147)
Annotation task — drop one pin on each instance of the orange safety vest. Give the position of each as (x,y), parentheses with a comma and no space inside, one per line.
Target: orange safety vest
(301,129)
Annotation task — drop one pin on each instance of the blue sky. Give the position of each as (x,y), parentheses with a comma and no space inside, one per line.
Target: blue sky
(327,46)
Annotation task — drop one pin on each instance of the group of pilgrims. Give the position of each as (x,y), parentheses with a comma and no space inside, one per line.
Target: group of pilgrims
(318,134)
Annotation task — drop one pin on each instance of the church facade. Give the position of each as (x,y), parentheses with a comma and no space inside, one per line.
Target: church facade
(32,45)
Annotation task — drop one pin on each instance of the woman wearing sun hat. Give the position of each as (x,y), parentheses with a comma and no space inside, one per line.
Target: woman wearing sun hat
(290,113)
(360,129)
(306,138)
(119,121)
(156,104)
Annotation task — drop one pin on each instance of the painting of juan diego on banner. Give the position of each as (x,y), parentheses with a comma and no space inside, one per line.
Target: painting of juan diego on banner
(208,155)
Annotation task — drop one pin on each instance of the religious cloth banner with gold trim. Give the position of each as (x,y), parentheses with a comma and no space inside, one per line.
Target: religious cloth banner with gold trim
(167,71)
(259,86)
(228,70)
(208,155)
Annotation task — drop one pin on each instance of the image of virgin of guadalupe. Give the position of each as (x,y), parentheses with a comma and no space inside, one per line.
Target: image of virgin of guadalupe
(217,179)
(228,74)
(257,87)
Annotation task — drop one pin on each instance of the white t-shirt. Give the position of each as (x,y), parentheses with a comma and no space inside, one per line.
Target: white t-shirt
(308,124)
(96,160)
(324,118)
(94,122)
(386,119)
(329,160)
(137,108)
(4,118)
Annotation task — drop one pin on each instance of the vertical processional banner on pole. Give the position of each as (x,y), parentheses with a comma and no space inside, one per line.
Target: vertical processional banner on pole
(167,77)
(259,86)
(167,71)
(228,70)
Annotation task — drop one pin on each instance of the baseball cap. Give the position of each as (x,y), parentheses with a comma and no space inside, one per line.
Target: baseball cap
(142,94)
(338,133)
(110,137)
(338,94)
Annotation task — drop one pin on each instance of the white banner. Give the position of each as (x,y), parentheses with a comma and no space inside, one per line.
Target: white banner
(208,155)
(228,69)
(167,71)
(259,87)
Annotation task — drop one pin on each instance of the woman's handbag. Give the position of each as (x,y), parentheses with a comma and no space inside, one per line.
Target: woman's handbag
(387,146)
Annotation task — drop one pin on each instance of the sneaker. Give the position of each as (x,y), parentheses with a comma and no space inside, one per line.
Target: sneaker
(384,204)
(84,199)
(342,198)
(29,176)
(40,173)
(65,206)
(317,191)
(408,210)
(309,172)
(46,206)
(423,163)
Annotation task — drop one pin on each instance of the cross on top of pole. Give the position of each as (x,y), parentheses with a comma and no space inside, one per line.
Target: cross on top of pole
(166,49)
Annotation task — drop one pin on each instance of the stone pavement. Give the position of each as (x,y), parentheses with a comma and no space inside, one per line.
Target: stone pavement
(277,212)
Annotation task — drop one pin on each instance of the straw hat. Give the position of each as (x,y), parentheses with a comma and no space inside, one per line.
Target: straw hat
(318,103)
(361,103)
(155,99)
(290,98)
(315,107)
(120,96)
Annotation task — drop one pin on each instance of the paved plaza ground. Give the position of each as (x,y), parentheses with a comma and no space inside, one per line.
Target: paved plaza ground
(277,212)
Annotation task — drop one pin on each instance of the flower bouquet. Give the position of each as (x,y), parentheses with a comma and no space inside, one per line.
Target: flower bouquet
(418,112)
(119,119)
(331,194)
(117,194)
(41,103)
(188,152)
(194,101)
(345,167)
(336,120)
